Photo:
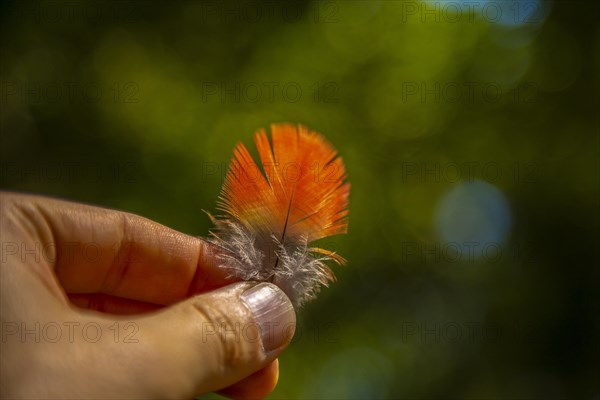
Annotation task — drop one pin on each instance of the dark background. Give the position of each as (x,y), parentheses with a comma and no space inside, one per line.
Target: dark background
(470,135)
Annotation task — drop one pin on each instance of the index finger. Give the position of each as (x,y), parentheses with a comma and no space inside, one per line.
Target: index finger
(99,250)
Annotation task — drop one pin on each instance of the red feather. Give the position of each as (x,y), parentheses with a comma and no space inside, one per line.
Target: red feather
(298,194)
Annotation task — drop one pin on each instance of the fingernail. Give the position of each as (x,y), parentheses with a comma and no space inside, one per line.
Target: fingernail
(273,313)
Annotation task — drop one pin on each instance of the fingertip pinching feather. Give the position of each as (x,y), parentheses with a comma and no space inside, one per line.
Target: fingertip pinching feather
(274,210)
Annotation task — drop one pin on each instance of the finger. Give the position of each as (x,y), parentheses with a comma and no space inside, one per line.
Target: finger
(211,341)
(96,250)
(257,386)
(110,304)
(242,327)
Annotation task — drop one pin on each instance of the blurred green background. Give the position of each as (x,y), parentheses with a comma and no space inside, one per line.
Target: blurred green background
(470,135)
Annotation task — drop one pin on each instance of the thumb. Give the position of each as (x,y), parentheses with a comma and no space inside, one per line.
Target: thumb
(214,340)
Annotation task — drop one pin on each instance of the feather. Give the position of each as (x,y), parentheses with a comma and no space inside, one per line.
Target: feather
(274,210)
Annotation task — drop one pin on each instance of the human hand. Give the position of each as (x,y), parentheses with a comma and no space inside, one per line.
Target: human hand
(98,303)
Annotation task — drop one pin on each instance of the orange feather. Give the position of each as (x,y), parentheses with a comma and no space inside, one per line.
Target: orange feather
(297,195)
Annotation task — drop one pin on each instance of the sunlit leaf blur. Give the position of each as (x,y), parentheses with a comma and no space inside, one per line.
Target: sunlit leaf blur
(470,135)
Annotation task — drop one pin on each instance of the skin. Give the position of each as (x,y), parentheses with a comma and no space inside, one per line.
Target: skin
(72,265)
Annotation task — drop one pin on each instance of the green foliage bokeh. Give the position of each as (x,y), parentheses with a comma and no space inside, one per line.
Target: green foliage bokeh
(138,105)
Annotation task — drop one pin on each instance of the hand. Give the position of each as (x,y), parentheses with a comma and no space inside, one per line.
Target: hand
(97,303)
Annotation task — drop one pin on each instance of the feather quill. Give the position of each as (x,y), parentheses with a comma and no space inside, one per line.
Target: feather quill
(274,210)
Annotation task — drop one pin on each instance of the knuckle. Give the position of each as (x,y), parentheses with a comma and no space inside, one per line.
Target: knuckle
(223,328)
